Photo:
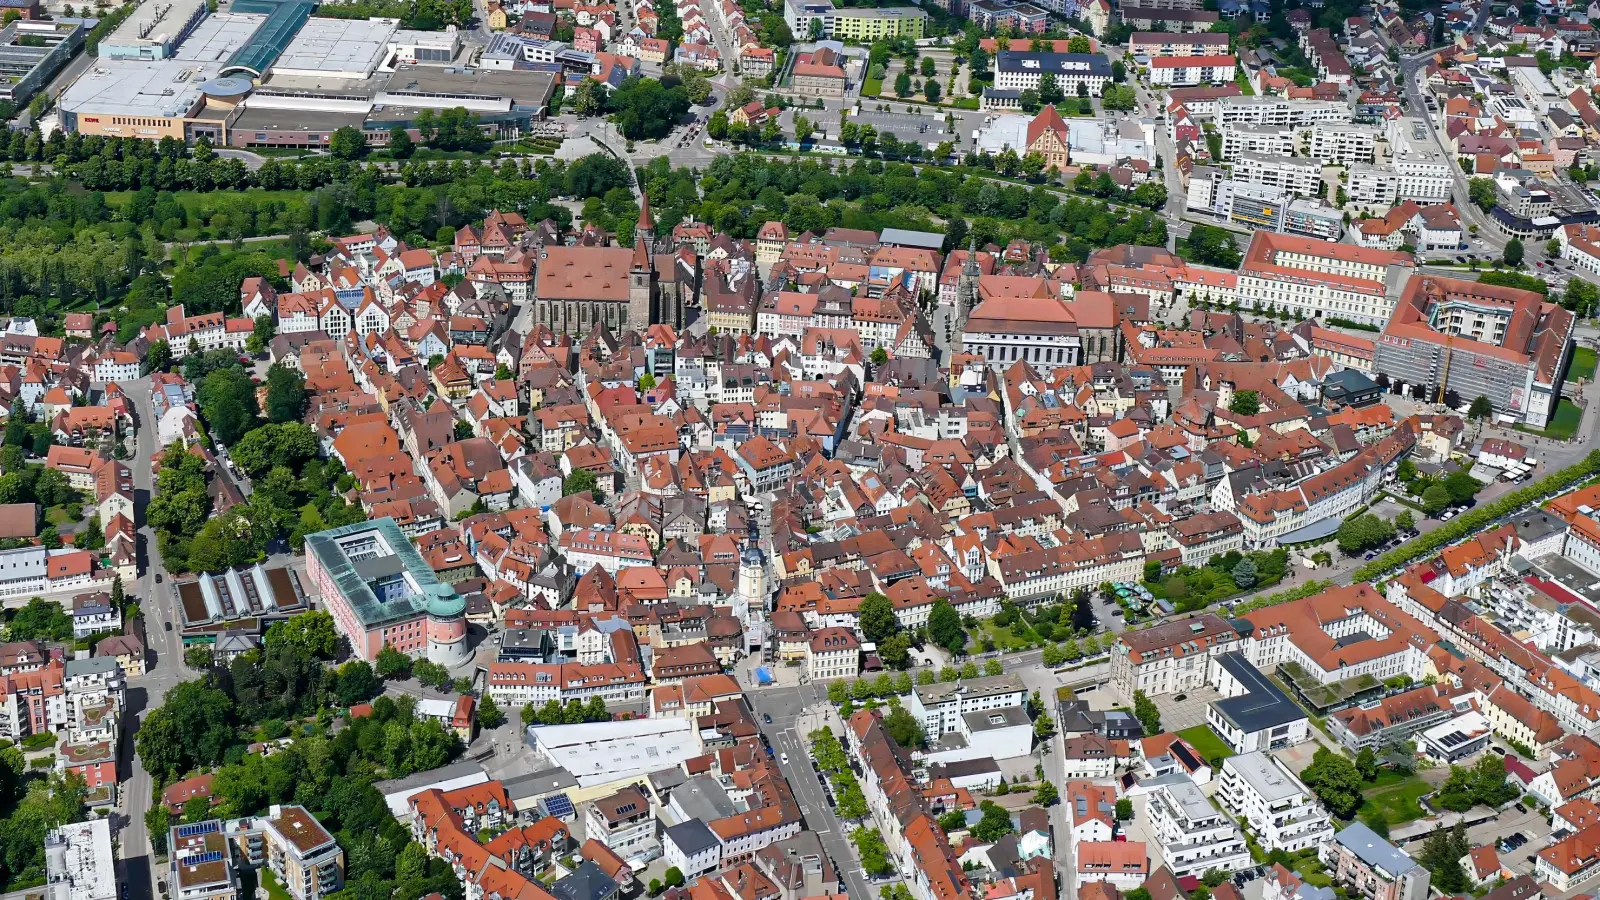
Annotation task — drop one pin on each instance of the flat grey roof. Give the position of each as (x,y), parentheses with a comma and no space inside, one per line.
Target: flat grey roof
(701,797)
(1266,776)
(988,686)
(463,769)
(153,23)
(219,36)
(254,119)
(926,240)
(338,45)
(991,719)
(409,84)
(166,88)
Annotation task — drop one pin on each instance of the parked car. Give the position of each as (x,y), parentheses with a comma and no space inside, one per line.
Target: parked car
(767,718)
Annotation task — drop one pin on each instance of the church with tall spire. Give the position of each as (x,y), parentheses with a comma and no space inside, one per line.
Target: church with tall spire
(641,276)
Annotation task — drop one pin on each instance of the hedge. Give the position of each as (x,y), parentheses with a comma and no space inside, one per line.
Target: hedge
(1474,521)
(1309,589)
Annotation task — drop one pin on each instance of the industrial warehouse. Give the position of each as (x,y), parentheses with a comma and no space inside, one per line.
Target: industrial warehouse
(268,73)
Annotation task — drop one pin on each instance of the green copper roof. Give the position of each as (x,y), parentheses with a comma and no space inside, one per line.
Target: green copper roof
(360,579)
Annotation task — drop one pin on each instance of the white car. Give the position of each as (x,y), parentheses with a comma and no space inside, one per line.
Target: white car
(783,758)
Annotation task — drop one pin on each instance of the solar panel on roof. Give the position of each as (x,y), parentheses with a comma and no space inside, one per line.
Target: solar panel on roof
(559,806)
(195,828)
(210,856)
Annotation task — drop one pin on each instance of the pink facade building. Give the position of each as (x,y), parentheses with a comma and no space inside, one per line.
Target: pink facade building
(380,592)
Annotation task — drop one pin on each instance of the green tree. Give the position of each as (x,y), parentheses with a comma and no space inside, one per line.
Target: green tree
(1244,574)
(944,626)
(1245,403)
(41,620)
(901,725)
(227,400)
(895,651)
(1079,44)
(1367,764)
(993,668)
(286,394)
(1124,809)
(311,631)
(1481,408)
(1045,794)
(1462,487)
(877,617)
(581,481)
(902,83)
(1144,709)
(1482,193)
(1405,521)
(400,144)
(1514,253)
(260,335)
(1435,499)
(347,142)
(929,68)
(673,877)
(995,824)
(1336,782)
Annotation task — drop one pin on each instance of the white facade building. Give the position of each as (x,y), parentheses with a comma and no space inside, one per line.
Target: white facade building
(1194,837)
(1279,810)
(1297,175)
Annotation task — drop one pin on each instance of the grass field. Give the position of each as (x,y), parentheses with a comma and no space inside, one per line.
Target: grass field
(1396,796)
(1583,364)
(1565,423)
(1004,640)
(1207,742)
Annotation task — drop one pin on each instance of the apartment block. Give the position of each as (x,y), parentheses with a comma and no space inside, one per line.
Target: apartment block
(1279,810)
(1194,837)
(1296,175)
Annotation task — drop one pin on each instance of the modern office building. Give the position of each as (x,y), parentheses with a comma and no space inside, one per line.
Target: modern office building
(939,707)
(1296,175)
(32,52)
(1253,713)
(381,592)
(1474,339)
(1280,811)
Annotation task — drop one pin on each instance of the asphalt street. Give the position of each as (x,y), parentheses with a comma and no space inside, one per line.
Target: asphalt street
(786,706)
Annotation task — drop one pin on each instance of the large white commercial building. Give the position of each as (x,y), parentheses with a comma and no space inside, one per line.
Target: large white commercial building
(1279,810)
(1193,835)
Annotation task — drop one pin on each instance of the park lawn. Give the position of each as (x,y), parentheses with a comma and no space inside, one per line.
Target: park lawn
(1396,796)
(1583,364)
(57,516)
(1004,640)
(1210,745)
(1563,425)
